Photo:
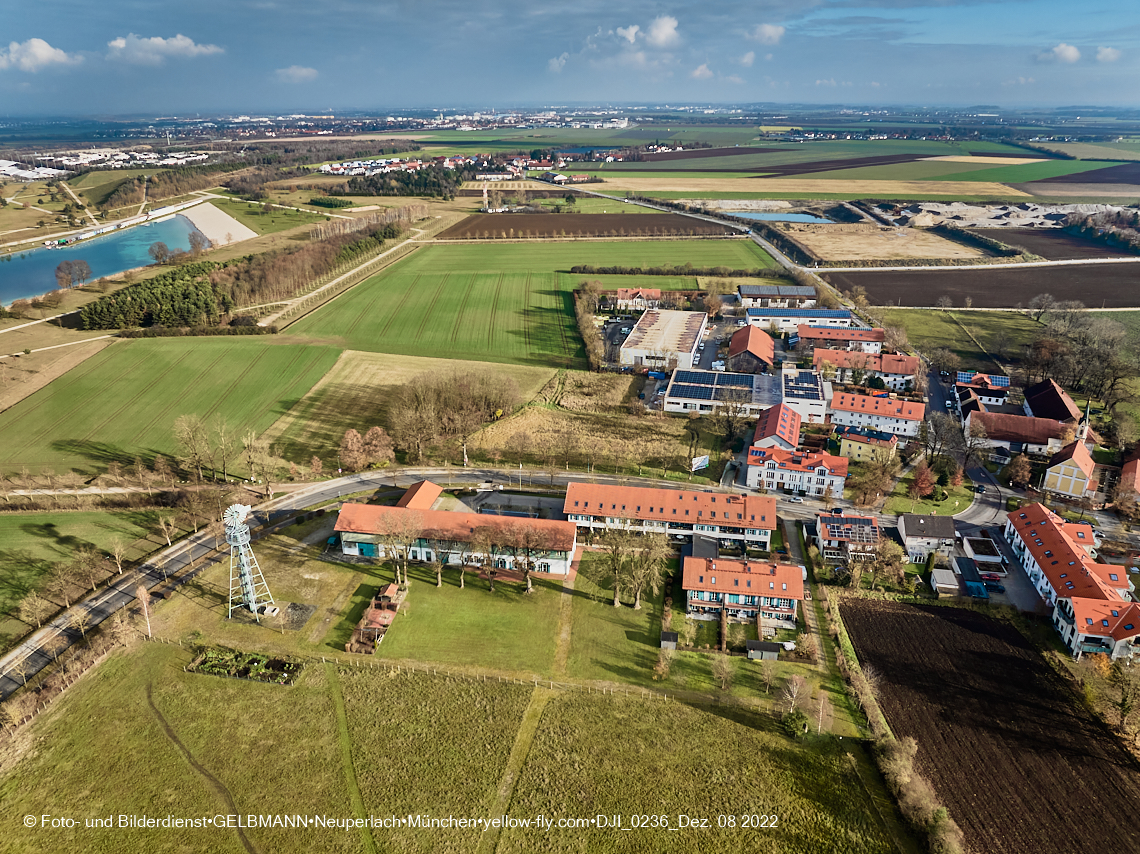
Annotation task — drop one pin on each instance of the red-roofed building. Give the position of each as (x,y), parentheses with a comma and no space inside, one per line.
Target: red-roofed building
(984,388)
(828,338)
(639,299)
(896,371)
(443,536)
(1130,476)
(750,351)
(900,417)
(815,473)
(1018,433)
(744,590)
(778,427)
(1070,471)
(1049,400)
(733,519)
(1092,609)
(420,496)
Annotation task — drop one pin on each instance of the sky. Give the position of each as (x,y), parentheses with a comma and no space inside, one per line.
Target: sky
(124,57)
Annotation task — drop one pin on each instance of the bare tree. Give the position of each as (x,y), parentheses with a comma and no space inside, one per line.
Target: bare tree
(976,443)
(225,444)
(59,582)
(167,528)
(378,447)
(118,553)
(192,438)
(80,621)
(823,711)
(162,470)
(316,467)
(617,545)
(794,690)
(352,450)
(647,565)
(767,673)
(1040,305)
(33,609)
(944,302)
(143,595)
(722,671)
(483,542)
(398,533)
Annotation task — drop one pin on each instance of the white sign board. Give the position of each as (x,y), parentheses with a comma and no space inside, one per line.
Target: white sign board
(700,463)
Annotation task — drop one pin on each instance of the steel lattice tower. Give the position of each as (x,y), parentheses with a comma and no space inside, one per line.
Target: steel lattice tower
(247,585)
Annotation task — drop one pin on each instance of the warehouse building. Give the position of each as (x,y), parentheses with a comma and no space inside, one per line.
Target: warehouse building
(664,339)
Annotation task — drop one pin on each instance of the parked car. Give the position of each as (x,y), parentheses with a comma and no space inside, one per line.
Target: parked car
(742,323)
(994,588)
(795,499)
(990,576)
(980,488)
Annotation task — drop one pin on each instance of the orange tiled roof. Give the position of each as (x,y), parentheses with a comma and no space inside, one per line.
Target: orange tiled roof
(779,420)
(1018,428)
(904,409)
(754,340)
(1117,620)
(1058,548)
(420,496)
(445,525)
(1130,474)
(672,505)
(1078,454)
(887,363)
(798,461)
(744,577)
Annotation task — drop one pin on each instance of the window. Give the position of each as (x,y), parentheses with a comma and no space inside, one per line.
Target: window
(1104,623)
(712,579)
(700,579)
(1115,613)
(1088,620)
(1114,576)
(736,582)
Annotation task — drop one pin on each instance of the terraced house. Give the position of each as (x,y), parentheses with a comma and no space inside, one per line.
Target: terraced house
(770,592)
(901,417)
(1091,601)
(734,520)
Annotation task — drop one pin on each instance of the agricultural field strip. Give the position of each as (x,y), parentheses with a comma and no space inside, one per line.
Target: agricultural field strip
(1068,262)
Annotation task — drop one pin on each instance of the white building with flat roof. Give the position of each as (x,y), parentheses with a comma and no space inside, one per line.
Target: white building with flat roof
(664,339)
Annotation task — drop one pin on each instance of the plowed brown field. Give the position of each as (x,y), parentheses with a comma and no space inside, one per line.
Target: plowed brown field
(1022,767)
(513,226)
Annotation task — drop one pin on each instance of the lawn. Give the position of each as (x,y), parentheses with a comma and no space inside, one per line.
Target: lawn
(124,401)
(625,756)
(250,214)
(506,630)
(356,393)
(508,304)
(96,187)
(1001,333)
(958,498)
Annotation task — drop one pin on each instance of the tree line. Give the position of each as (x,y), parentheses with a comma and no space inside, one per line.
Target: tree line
(1115,227)
(677,270)
(433,181)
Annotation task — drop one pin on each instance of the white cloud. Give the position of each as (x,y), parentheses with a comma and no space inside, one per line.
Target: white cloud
(155,50)
(557,63)
(830,82)
(1060,53)
(629,33)
(734,78)
(663,31)
(767,33)
(296,74)
(33,55)
(748,59)
(768,57)
(701,72)
(1018,81)
(1107,54)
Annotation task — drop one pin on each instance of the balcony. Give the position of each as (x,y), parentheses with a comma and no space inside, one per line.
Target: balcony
(1095,648)
(1065,617)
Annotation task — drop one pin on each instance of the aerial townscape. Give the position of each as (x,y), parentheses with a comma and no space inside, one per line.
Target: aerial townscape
(639,429)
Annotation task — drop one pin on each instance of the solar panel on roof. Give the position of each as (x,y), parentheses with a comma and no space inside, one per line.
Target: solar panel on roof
(998,381)
(698,377)
(692,392)
(735,380)
(966,376)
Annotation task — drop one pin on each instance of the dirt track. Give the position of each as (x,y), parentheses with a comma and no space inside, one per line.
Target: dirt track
(1022,767)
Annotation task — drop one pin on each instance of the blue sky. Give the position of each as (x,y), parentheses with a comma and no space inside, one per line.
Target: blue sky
(120,57)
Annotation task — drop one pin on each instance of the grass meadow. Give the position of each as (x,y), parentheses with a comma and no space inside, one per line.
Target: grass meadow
(123,401)
(251,215)
(1000,333)
(493,303)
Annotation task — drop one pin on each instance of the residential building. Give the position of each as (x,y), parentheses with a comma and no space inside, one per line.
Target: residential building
(862,443)
(1070,472)
(421,495)
(901,417)
(637,299)
(832,338)
(806,392)
(924,535)
(444,536)
(844,538)
(735,520)
(744,590)
(777,427)
(814,473)
(777,296)
(1018,434)
(1049,400)
(896,372)
(789,319)
(1130,477)
(664,339)
(1091,602)
(750,351)
(989,390)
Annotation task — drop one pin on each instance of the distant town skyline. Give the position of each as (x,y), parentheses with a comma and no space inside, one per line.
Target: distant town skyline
(119,58)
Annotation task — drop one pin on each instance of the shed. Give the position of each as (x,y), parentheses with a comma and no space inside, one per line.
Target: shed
(971,578)
(762,650)
(944,582)
(668,640)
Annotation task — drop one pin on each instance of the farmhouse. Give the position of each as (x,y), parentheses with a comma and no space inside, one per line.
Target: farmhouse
(735,520)
(664,339)
(750,351)
(896,372)
(862,443)
(637,299)
(989,390)
(1070,471)
(777,296)
(704,391)
(743,590)
(831,338)
(924,535)
(816,473)
(900,417)
(789,319)
(778,427)
(1018,434)
(841,537)
(442,536)
(1092,609)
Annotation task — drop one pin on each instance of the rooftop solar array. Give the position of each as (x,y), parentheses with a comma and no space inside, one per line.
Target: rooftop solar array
(710,385)
(799,312)
(735,379)
(999,381)
(692,392)
(803,385)
(699,377)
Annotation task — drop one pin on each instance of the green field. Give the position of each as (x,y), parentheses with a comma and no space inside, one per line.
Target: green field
(251,215)
(1001,333)
(96,187)
(509,303)
(123,401)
